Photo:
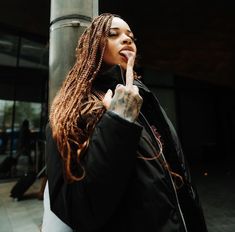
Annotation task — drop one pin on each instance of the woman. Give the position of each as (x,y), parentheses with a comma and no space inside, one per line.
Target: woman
(114,159)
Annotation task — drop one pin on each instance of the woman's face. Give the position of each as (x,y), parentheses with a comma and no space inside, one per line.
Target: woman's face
(120,44)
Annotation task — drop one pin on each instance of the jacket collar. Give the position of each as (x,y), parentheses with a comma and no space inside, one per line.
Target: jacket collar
(112,77)
(109,79)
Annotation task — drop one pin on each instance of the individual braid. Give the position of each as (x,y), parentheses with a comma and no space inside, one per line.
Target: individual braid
(76,109)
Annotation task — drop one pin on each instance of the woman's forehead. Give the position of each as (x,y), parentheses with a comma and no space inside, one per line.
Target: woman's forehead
(119,23)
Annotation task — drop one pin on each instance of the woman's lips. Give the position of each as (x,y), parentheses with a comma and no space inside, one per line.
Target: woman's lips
(126,53)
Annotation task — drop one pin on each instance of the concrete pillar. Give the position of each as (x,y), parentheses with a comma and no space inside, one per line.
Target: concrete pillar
(68,20)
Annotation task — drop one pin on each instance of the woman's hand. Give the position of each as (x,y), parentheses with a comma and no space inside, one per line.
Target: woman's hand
(126,101)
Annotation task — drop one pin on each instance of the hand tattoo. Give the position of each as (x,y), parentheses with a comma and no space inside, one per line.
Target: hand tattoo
(126,103)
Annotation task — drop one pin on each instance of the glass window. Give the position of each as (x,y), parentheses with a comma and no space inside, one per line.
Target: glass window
(33,54)
(30,111)
(8,49)
(5,125)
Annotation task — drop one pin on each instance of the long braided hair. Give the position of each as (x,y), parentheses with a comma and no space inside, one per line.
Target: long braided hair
(77,107)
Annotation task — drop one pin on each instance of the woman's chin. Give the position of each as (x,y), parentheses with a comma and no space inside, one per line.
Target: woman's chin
(123,65)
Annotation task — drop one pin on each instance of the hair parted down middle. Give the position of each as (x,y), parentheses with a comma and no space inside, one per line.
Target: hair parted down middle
(77,107)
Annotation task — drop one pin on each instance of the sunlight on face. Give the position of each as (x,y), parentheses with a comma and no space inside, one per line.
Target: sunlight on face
(120,39)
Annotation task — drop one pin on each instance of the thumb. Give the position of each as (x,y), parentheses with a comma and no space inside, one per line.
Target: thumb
(107,98)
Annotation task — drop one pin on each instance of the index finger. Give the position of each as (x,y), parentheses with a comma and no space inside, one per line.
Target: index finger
(129,71)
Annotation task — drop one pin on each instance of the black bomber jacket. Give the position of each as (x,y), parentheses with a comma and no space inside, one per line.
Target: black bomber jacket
(125,189)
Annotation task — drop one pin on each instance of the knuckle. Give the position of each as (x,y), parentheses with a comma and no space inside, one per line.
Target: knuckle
(135,88)
(128,91)
(137,95)
(140,97)
(119,88)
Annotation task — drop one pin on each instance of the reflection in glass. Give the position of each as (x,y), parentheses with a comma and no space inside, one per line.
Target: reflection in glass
(5,125)
(8,49)
(33,54)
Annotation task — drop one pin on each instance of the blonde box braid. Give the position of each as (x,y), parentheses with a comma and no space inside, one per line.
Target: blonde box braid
(76,108)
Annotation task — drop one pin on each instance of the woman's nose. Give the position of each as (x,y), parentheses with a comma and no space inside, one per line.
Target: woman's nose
(126,39)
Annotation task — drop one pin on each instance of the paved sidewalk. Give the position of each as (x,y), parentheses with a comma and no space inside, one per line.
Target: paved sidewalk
(20,216)
(216,188)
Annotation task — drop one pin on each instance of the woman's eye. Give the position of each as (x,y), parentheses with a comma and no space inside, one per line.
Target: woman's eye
(112,34)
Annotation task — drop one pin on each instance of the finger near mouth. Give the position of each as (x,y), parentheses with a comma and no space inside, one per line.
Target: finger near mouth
(124,57)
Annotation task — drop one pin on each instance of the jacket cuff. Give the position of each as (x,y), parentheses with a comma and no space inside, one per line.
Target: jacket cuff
(123,121)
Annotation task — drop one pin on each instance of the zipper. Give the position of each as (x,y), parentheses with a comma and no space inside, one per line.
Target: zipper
(163,157)
(171,180)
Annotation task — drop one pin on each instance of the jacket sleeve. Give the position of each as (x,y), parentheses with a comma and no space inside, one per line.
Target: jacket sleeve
(109,162)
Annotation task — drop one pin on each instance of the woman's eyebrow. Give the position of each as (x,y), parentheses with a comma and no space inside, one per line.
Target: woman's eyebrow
(117,28)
